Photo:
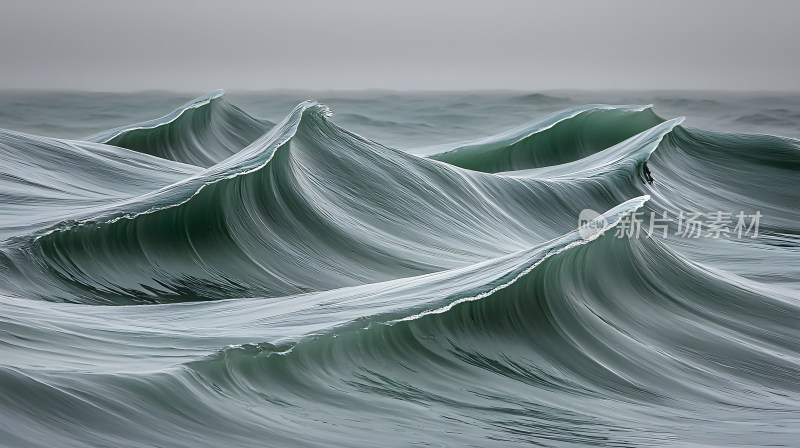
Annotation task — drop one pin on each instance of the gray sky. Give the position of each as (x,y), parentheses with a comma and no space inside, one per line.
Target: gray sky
(400,44)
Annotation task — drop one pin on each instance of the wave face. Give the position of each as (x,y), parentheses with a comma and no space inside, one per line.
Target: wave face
(212,279)
(202,132)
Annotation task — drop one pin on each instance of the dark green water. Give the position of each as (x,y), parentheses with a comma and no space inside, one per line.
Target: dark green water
(400,269)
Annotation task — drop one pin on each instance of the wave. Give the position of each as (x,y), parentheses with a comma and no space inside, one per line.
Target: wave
(202,132)
(307,207)
(44,181)
(323,312)
(563,137)
(587,359)
(307,286)
(587,366)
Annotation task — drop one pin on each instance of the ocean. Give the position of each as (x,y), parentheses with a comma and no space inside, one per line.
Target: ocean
(379,268)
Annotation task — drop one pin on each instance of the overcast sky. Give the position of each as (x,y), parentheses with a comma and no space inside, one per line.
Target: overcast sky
(196,45)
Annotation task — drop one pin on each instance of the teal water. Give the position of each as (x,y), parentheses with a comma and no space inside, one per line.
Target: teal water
(395,269)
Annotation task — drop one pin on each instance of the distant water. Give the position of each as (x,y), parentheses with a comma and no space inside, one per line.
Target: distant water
(399,269)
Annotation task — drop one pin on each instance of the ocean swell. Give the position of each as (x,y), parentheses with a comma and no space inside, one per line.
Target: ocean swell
(211,279)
